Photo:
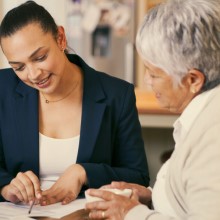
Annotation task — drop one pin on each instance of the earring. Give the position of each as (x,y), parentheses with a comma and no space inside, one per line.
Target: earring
(62,49)
(193,90)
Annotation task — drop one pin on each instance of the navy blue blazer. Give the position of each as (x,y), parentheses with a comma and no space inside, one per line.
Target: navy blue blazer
(110,147)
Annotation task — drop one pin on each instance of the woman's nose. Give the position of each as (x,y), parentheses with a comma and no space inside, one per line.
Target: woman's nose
(33,72)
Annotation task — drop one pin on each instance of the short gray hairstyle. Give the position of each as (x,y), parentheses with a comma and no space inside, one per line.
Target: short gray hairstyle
(179,35)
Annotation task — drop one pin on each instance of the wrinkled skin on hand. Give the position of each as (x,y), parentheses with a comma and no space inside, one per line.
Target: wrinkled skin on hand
(114,207)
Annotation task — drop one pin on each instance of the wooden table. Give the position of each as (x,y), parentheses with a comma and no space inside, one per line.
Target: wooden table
(81,214)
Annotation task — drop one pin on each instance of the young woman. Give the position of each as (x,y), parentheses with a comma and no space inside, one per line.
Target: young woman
(63,125)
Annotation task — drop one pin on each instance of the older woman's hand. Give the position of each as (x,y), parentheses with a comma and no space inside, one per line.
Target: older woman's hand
(114,207)
(143,193)
(67,187)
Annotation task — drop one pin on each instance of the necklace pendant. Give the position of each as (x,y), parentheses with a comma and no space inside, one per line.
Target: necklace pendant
(47,101)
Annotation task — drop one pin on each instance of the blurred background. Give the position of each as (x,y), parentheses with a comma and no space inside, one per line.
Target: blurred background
(103,33)
(100,31)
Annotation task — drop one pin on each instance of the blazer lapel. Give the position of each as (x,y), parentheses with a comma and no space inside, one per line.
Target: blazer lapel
(26,111)
(92,113)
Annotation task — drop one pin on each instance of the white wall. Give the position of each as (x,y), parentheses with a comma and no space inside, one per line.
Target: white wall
(57,8)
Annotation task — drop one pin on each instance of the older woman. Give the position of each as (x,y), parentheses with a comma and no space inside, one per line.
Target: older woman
(179,42)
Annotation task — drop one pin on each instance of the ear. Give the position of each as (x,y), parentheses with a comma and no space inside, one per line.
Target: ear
(195,80)
(61,38)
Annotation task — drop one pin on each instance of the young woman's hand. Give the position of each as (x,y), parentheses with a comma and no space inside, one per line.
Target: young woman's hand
(113,207)
(67,187)
(25,187)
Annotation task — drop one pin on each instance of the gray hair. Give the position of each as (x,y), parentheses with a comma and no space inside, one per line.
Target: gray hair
(180,35)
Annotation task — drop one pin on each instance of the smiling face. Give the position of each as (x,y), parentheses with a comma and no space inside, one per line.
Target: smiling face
(36,57)
(169,95)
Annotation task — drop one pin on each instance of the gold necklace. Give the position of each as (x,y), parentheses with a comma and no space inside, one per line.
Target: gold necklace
(68,94)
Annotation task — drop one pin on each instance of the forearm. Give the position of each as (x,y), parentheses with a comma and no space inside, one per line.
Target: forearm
(102,174)
(82,176)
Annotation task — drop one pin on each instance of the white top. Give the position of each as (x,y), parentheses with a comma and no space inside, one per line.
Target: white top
(56,155)
(181,127)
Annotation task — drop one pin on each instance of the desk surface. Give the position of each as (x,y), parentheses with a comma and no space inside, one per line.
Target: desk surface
(81,214)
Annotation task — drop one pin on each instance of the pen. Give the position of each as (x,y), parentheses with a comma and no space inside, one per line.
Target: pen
(32,204)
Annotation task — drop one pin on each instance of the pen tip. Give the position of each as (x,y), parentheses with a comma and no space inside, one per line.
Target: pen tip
(32,204)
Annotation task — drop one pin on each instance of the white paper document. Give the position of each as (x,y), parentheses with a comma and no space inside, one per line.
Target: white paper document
(19,211)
